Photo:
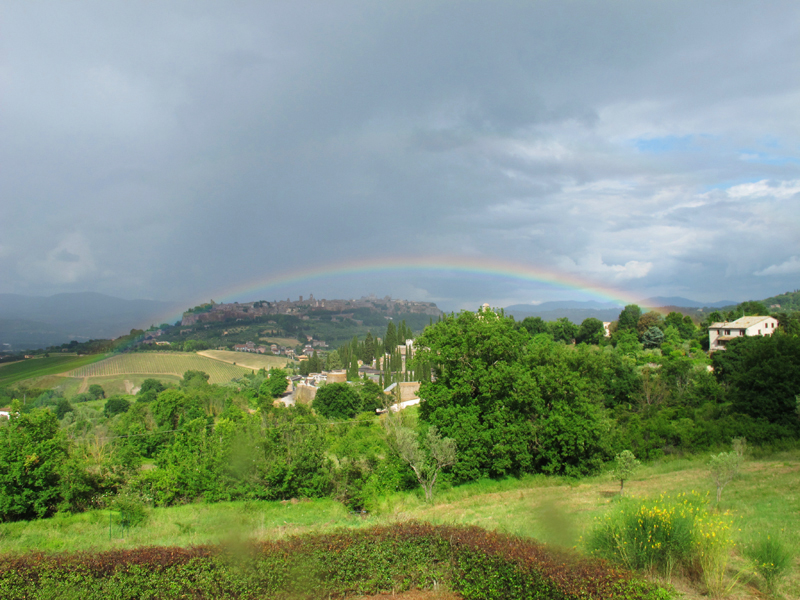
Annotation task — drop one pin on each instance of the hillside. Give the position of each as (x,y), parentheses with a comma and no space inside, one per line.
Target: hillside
(41,321)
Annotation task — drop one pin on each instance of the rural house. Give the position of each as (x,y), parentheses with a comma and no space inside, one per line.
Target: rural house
(720,334)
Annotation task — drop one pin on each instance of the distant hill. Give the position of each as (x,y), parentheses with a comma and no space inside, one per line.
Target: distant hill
(686,303)
(41,321)
(789,301)
(575,311)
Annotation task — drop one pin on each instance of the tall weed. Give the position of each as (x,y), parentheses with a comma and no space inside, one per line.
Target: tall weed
(772,560)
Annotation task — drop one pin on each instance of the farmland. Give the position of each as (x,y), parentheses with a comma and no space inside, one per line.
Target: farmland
(40,367)
(246,359)
(172,363)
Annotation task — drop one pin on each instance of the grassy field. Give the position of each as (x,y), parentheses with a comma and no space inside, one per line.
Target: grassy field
(765,499)
(40,367)
(246,359)
(168,363)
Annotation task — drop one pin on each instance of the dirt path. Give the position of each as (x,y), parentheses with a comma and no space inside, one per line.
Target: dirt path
(84,386)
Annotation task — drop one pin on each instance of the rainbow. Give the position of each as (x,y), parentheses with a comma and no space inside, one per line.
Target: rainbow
(431,265)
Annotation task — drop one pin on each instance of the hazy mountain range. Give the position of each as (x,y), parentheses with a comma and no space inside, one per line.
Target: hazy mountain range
(41,321)
(577,311)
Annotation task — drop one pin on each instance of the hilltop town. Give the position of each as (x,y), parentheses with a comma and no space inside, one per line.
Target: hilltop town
(342,309)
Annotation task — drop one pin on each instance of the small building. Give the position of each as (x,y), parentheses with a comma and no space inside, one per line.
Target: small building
(719,334)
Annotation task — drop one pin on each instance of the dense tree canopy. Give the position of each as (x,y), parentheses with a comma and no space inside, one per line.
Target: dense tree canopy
(511,403)
(764,376)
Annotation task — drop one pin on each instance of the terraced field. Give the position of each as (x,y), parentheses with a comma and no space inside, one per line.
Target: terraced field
(171,363)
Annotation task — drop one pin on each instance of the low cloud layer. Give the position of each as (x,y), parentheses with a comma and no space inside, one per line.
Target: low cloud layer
(178,151)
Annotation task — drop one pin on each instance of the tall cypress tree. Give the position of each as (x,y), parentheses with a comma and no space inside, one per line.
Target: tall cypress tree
(369,348)
(391,337)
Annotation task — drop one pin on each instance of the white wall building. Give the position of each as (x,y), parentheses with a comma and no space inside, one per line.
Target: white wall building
(720,334)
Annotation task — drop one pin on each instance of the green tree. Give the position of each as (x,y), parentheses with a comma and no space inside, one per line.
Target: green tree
(276,385)
(624,468)
(512,405)
(652,338)
(629,318)
(648,320)
(426,460)
(563,330)
(332,361)
(390,341)
(724,468)
(168,408)
(337,401)
(369,349)
(116,405)
(763,377)
(96,391)
(591,332)
(33,453)
(534,325)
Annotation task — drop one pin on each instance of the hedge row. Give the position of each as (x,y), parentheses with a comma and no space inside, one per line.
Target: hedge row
(473,562)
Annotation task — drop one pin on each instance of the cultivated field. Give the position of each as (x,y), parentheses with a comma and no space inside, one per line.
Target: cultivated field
(246,359)
(168,363)
(40,367)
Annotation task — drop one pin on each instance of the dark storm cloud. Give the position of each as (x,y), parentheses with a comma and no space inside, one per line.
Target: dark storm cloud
(169,150)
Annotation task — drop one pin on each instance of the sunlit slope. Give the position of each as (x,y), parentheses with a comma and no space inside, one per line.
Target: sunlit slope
(172,363)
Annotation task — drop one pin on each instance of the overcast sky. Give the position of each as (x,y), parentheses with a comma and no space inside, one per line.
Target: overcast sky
(177,150)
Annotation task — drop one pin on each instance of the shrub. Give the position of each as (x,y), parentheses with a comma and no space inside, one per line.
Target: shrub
(724,468)
(658,536)
(652,536)
(116,405)
(772,560)
(474,562)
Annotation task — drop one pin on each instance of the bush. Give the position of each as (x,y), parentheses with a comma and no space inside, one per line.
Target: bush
(474,562)
(116,405)
(659,536)
(772,560)
(654,536)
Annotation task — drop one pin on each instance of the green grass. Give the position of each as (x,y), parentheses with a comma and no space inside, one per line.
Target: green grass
(39,367)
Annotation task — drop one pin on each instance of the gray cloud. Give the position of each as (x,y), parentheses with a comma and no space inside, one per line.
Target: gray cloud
(171,151)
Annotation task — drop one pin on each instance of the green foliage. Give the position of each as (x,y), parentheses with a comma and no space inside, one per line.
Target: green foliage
(471,561)
(591,332)
(337,401)
(512,405)
(771,558)
(629,318)
(724,468)
(652,338)
(763,374)
(563,330)
(96,391)
(33,453)
(625,465)
(116,405)
(655,536)
(63,407)
(275,386)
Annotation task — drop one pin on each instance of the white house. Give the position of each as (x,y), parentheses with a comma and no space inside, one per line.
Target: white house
(720,334)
